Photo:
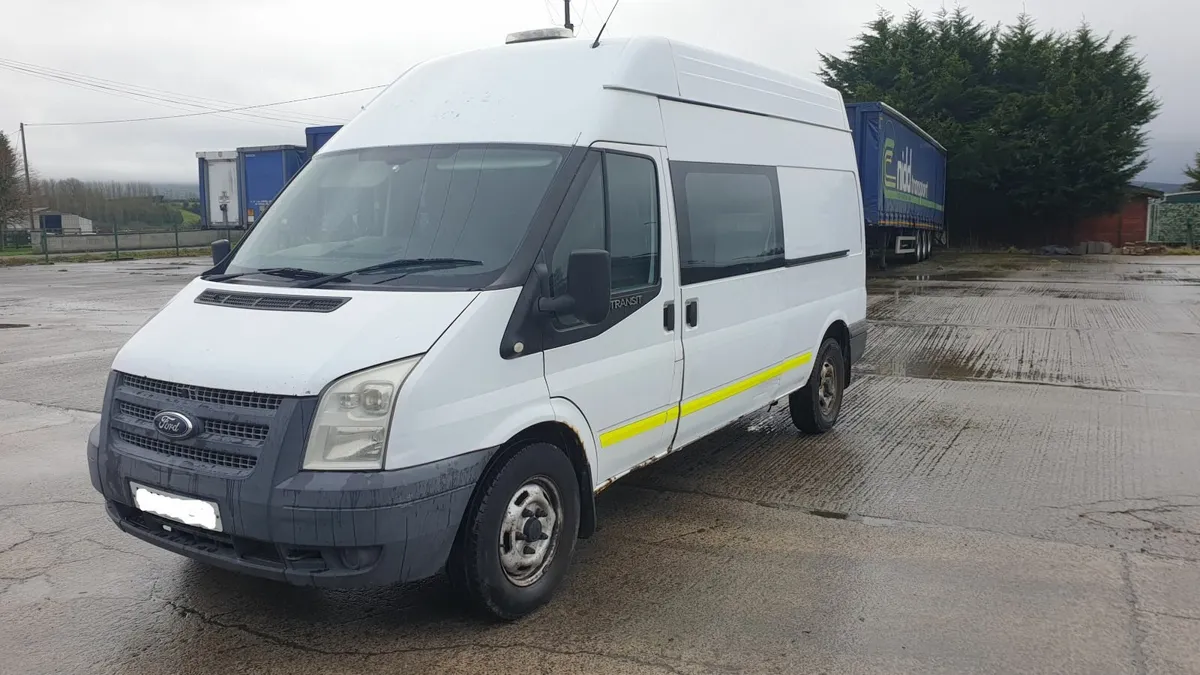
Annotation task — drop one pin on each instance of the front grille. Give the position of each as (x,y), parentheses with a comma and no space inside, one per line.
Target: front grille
(139,411)
(278,303)
(239,399)
(249,432)
(214,457)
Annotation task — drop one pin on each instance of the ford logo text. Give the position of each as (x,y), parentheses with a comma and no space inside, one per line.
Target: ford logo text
(174,425)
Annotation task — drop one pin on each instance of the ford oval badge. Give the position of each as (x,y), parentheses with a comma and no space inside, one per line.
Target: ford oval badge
(173,425)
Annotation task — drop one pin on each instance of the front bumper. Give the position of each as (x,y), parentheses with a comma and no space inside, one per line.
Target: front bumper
(310,528)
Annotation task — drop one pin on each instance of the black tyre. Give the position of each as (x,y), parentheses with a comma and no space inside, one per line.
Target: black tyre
(517,537)
(816,406)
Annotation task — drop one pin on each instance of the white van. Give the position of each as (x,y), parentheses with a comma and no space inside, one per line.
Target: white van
(518,275)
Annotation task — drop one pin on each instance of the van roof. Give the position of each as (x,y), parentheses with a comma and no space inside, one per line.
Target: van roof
(564,92)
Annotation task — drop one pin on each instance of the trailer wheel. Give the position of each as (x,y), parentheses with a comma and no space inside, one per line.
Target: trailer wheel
(516,543)
(815,408)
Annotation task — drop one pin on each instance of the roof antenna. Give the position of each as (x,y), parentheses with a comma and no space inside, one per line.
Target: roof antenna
(610,13)
(567,16)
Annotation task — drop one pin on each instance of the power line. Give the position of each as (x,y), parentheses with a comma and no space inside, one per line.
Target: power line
(141,98)
(171,103)
(159,101)
(113,86)
(208,112)
(97,84)
(596,11)
(583,17)
(157,94)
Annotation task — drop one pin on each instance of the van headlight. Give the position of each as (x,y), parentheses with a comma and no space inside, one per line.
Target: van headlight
(354,414)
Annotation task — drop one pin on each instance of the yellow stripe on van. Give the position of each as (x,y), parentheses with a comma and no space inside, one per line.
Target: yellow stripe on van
(628,431)
(698,403)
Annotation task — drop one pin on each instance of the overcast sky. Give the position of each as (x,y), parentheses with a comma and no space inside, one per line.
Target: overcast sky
(257,51)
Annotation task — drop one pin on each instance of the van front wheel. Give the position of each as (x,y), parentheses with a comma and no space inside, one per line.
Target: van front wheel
(516,543)
(815,407)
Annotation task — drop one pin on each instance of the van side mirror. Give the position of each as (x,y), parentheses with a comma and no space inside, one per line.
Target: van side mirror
(589,287)
(220,250)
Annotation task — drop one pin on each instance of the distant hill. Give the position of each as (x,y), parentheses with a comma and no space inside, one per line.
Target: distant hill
(1163,187)
(177,190)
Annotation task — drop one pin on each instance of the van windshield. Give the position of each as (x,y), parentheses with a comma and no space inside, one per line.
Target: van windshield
(352,210)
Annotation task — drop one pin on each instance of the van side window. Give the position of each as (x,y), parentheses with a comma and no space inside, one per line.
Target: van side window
(730,220)
(618,211)
(585,229)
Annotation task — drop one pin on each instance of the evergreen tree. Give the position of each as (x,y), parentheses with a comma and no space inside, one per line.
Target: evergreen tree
(1193,174)
(12,184)
(1042,129)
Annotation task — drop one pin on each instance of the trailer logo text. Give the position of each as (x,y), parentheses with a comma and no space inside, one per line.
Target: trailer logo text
(898,173)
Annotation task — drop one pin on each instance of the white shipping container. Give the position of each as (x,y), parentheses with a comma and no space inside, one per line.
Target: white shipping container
(219,187)
(74,223)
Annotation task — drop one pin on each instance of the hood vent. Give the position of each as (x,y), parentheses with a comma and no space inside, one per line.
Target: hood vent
(275,303)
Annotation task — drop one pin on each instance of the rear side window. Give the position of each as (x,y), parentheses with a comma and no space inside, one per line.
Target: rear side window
(730,220)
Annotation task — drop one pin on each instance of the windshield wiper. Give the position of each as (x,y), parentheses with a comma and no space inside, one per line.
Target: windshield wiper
(400,264)
(289,272)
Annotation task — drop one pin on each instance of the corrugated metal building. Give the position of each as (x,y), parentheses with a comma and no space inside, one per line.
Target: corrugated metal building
(57,222)
(54,222)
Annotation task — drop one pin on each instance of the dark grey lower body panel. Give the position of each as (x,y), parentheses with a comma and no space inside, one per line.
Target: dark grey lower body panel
(858,341)
(331,529)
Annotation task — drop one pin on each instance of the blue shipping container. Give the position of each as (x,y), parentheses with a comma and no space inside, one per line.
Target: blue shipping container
(317,136)
(902,169)
(52,222)
(262,173)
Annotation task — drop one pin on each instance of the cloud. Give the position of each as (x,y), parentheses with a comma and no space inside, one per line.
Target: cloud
(255,51)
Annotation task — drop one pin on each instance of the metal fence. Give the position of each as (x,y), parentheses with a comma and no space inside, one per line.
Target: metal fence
(1174,223)
(116,244)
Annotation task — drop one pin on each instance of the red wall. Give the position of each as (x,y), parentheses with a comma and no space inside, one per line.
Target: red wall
(1124,227)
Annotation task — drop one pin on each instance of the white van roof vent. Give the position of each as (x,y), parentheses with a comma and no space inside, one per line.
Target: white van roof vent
(538,34)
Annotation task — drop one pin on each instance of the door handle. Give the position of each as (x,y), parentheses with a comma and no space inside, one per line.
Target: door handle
(669,316)
(691,312)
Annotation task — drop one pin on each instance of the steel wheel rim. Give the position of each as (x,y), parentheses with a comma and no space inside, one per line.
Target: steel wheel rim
(827,388)
(529,533)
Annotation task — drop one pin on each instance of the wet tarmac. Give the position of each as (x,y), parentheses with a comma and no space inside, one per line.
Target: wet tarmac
(1014,487)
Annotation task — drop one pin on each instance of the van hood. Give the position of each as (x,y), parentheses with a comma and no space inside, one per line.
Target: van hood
(289,353)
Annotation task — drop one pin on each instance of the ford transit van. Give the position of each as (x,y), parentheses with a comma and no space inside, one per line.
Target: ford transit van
(519,274)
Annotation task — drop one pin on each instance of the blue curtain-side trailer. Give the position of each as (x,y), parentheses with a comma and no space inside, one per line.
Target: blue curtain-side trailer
(263,171)
(903,173)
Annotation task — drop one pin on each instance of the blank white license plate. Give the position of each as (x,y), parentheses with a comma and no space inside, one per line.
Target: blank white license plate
(194,512)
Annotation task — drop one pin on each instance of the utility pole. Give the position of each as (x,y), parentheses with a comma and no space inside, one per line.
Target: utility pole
(28,182)
(567,16)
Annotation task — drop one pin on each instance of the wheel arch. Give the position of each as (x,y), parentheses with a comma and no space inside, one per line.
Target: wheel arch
(568,432)
(838,329)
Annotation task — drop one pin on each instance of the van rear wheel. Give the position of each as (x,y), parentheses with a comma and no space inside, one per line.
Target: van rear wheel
(516,542)
(815,407)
